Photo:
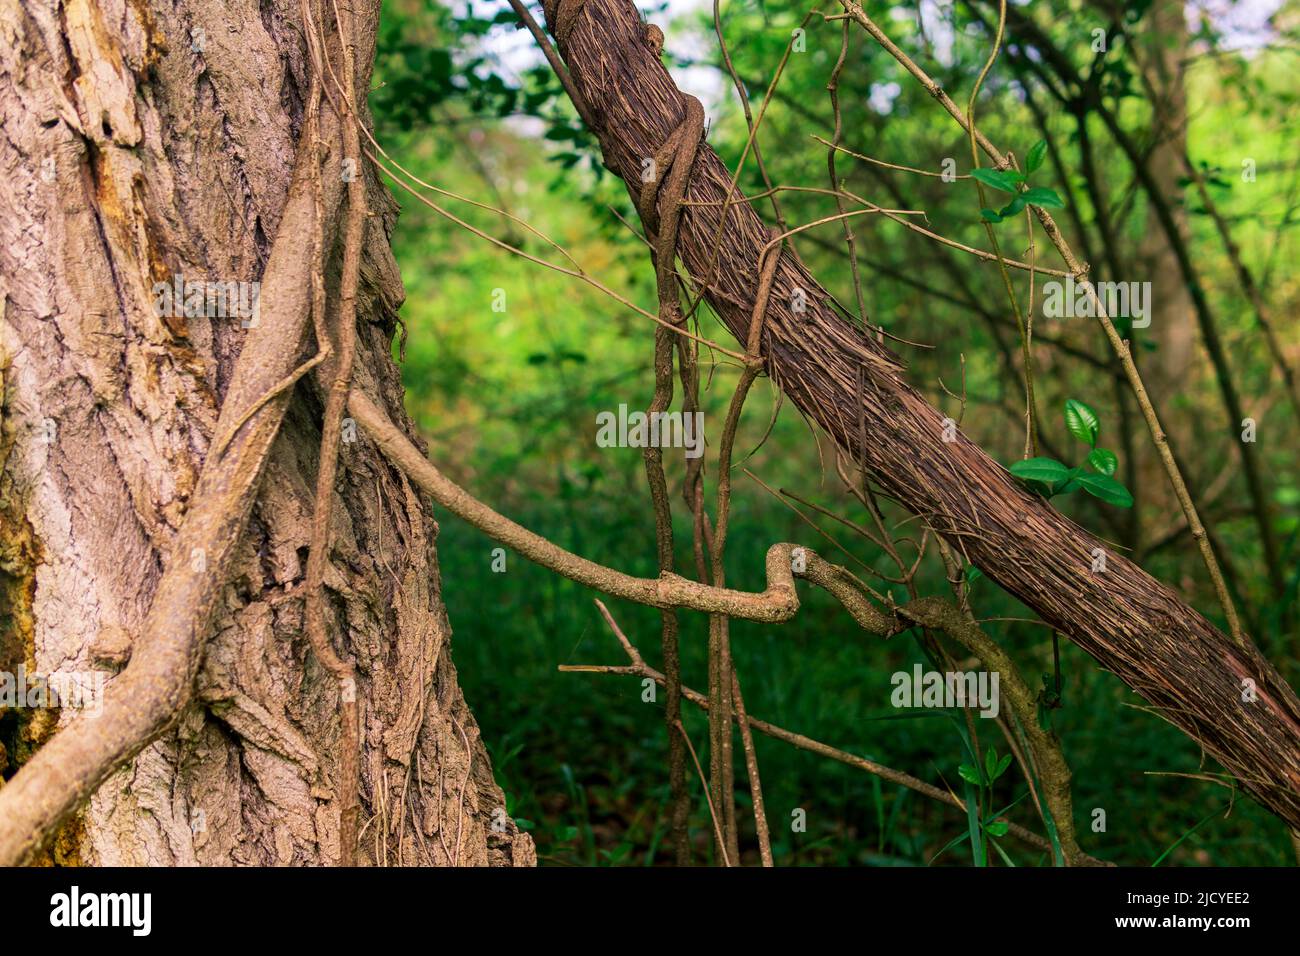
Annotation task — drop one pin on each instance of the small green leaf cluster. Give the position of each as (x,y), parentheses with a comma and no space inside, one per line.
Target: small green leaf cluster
(1050,477)
(1011,181)
(984,776)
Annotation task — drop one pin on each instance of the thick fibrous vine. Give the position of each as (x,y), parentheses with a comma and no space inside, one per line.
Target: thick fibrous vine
(1222,694)
(778,603)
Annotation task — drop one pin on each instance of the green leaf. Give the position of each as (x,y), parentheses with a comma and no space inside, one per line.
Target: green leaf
(1081,421)
(1035,157)
(1103,460)
(1107,489)
(990,762)
(1006,180)
(1046,470)
(978,851)
(969,774)
(1013,207)
(1071,482)
(998,828)
(1042,196)
(1002,766)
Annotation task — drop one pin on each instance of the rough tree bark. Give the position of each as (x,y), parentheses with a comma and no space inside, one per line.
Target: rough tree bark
(140,143)
(1225,696)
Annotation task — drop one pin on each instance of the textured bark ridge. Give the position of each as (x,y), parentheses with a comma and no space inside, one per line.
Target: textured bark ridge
(1226,697)
(139,143)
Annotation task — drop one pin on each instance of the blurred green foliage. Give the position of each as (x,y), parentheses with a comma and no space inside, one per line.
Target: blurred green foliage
(508,363)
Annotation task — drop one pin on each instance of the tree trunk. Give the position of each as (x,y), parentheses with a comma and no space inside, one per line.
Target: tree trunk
(144,145)
(1173,319)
